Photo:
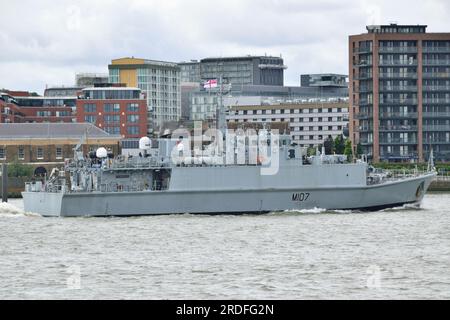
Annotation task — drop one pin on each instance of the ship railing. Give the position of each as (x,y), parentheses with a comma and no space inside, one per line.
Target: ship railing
(379,176)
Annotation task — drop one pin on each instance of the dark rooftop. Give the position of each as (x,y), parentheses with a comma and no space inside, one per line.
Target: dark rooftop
(52,131)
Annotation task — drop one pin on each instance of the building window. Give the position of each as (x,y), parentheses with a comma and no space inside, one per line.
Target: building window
(113,130)
(133,118)
(90,119)
(21,153)
(134,130)
(111,107)
(59,153)
(112,119)
(133,107)
(90,107)
(40,153)
(2,153)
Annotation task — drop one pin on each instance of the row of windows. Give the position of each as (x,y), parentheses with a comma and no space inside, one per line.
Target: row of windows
(292,111)
(39,153)
(131,118)
(131,130)
(110,107)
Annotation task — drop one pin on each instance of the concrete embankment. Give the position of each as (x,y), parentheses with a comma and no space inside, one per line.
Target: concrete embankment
(440,184)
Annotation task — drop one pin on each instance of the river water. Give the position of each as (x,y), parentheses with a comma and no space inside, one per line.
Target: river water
(401,253)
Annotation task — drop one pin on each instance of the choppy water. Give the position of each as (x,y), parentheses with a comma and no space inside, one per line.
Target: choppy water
(393,254)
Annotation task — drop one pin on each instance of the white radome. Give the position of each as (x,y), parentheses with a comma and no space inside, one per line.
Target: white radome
(145,143)
(101,153)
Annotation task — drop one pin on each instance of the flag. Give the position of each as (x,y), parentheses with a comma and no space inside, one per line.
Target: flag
(210,84)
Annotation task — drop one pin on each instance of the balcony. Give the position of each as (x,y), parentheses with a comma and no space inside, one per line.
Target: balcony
(362,116)
(436,115)
(398,156)
(398,115)
(362,50)
(399,88)
(398,101)
(363,76)
(365,141)
(436,62)
(364,89)
(436,49)
(436,88)
(400,128)
(436,128)
(364,103)
(411,75)
(365,129)
(436,101)
(362,63)
(397,49)
(398,63)
(436,75)
(398,141)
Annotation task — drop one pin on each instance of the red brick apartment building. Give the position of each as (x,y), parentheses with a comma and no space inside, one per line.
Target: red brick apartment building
(117,110)
(399,89)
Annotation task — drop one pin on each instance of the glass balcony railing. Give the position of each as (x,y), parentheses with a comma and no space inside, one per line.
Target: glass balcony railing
(365,115)
(436,101)
(365,128)
(411,75)
(365,102)
(363,76)
(436,49)
(436,75)
(398,101)
(398,128)
(436,114)
(398,141)
(436,62)
(398,63)
(436,88)
(362,50)
(397,49)
(398,88)
(396,115)
(436,128)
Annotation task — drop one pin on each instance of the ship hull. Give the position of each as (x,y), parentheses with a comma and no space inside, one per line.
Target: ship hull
(238,201)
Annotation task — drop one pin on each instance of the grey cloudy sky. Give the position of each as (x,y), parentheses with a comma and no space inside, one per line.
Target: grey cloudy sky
(46,42)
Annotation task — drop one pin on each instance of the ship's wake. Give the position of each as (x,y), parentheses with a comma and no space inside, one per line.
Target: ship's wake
(9,210)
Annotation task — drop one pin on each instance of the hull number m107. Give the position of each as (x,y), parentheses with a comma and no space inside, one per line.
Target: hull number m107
(300,197)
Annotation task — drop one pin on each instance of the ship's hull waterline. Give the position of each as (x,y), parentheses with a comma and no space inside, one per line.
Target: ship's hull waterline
(375,197)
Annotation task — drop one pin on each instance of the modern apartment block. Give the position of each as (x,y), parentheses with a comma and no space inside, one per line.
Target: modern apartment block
(117,110)
(399,88)
(324,80)
(190,71)
(245,70)
(90,79)
(160,81)
(36,109)
(310,123)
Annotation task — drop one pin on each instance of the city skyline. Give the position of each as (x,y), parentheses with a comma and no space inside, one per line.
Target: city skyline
(55,44)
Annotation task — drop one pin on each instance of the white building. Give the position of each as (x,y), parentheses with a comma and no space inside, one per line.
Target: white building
(310,123)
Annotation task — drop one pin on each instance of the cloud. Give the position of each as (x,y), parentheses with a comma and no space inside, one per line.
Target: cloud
(47,42)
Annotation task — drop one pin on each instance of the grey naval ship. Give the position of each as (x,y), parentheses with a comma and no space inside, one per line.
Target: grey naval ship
(166,178)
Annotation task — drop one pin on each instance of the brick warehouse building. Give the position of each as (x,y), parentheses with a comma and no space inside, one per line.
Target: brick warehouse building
(399,88)
(46,145)
(117,110)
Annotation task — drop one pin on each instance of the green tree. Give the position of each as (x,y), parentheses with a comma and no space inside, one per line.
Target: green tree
(16,169)
(359,150)
(339,144)
(329,145)
(348,149)
(311,151)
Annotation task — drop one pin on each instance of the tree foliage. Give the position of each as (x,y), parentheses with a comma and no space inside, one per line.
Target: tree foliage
(16,169)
